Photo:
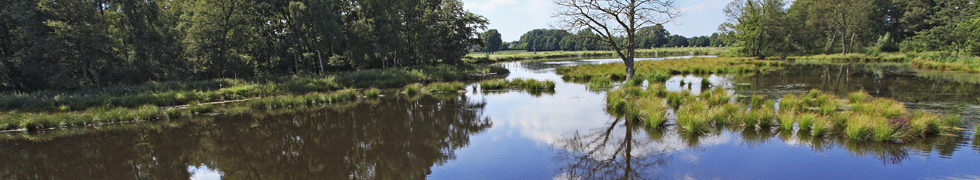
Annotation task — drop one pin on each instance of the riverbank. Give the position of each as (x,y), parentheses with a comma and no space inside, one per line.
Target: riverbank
(942,61)
(523,55)
(170,100)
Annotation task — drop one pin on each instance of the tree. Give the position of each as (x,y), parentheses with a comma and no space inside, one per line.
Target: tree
(491,39)
(677,41)
(652,36)
(613,18)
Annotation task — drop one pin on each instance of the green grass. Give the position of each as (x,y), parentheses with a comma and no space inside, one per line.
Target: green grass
(600,83)
(854,58)
(518,83)
(372,93)
(479,57)
(182,93)
(858,96)
(659,77)
(696,65)
(806,121)
(868,118)
(786,120)
(444,87)
(976,130)
(494,84)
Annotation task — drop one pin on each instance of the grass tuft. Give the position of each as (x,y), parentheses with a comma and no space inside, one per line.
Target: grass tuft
(372,93)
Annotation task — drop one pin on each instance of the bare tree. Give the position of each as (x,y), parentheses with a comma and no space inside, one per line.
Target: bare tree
(613,19)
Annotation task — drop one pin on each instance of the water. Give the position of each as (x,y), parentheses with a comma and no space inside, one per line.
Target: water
(512,135)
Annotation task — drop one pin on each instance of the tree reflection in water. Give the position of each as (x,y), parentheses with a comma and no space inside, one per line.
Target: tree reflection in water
(602,154)
(388,139)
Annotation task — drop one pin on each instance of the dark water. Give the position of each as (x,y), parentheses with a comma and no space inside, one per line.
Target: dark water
(566,134)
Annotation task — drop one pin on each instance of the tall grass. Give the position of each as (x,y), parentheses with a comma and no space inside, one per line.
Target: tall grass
(479,57)
(182,93)
(518,83)
(868,118)
(696,65)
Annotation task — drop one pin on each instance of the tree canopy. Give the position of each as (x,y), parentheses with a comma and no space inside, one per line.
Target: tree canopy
(73,44)
(769,28)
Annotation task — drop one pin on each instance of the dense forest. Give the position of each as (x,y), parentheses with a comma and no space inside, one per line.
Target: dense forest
(74,44)
(647,37)
(777,28)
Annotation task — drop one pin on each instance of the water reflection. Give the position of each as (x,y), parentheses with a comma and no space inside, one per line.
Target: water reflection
(604,153)
(392,139)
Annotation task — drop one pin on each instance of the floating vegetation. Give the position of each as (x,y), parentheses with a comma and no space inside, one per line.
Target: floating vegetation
(814,112)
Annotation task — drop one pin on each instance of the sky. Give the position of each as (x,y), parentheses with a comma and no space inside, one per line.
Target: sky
(513,18)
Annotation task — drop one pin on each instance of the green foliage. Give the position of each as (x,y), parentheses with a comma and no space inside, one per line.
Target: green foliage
(75,44)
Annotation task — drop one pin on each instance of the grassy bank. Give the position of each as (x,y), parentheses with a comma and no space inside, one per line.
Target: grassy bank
(523,55)
(943,61)
(33,121)
(182,93)
(659,71)
(859,116)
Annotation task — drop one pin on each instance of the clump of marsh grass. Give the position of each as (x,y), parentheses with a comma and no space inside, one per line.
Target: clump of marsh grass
(658,77)
(976,130)
(820,126)
(786,120)
(494,84)
(807,120)
(634,82)
(696,117)
(600,83)
(444,87)
(790,102)
(519,83)
(858,96)
(412,89)
(372,93)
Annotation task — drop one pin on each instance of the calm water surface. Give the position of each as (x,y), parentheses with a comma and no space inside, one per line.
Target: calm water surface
(565,134)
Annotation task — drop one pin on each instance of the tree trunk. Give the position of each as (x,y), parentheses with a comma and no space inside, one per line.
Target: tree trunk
(321,61)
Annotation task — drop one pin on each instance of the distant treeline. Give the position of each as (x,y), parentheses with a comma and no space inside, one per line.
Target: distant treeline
(647,37)
(769,28)
(74,44)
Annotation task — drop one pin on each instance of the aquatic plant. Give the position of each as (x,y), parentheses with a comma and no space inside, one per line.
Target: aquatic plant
(789,102)
(372,93)
(786,119)
(412,89)
(807,120)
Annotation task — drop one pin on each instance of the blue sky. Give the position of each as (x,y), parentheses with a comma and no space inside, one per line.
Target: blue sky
(515,17)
